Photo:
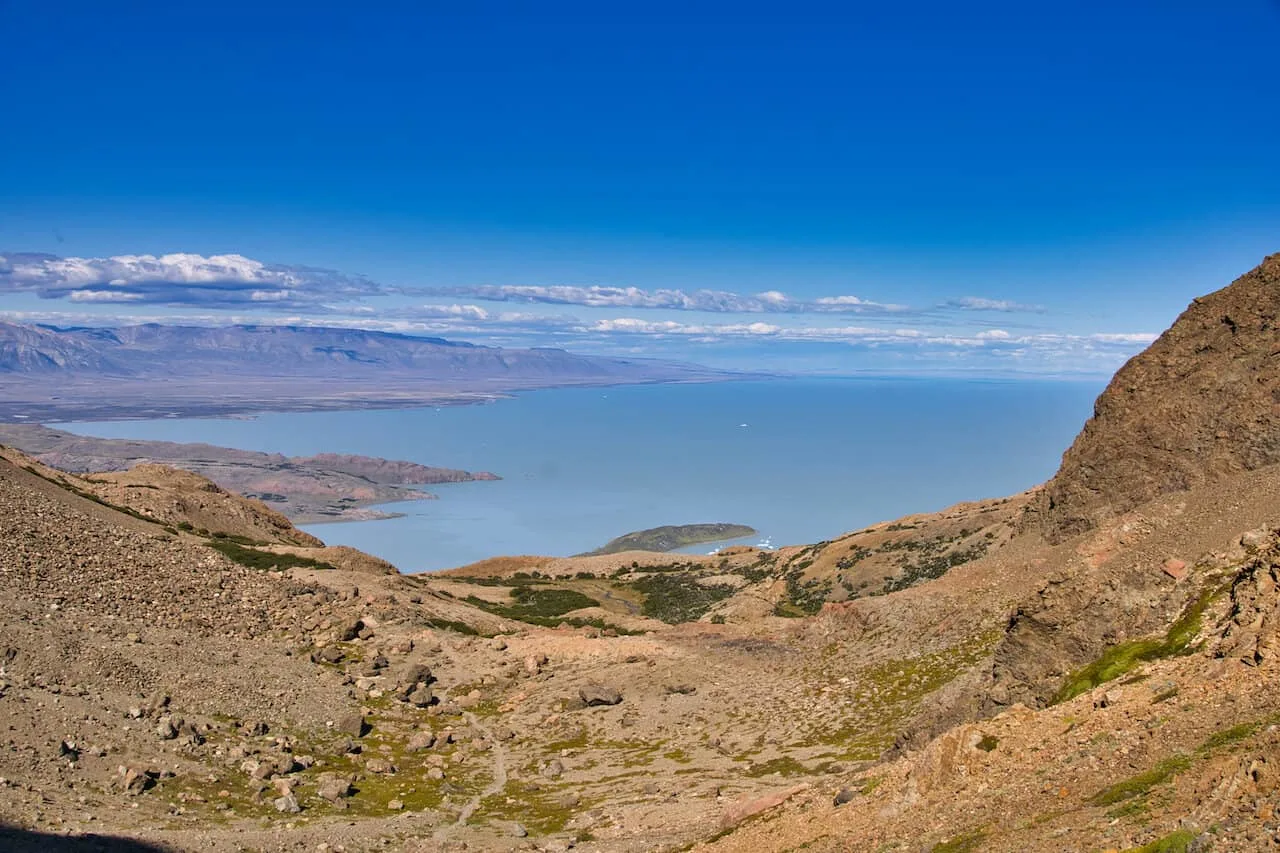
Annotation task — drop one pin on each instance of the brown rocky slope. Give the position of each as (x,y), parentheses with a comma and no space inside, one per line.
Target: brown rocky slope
(1200,403)
(974,687)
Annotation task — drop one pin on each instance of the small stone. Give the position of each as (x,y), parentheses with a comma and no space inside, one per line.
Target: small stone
(353,724)
(519,831)
(395,805)
(417,673)
(1255,539)
(333,787)
(420,741)
(598,694)
(286,804)
(134,780)
(1176,569)
(845,795)
(1108,699)
(329,654)
(554,769)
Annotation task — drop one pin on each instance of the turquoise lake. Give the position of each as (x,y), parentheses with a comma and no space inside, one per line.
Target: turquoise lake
(799,460)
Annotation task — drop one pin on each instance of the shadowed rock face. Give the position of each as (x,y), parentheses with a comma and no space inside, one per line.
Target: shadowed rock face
(1200,403)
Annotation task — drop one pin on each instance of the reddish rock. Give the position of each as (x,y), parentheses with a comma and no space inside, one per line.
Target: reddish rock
(752,806)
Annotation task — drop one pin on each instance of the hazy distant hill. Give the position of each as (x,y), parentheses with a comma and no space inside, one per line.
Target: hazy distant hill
(153,349)
(51,372)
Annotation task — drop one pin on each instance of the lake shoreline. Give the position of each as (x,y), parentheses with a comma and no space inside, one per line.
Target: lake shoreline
(147,403)
(799,461)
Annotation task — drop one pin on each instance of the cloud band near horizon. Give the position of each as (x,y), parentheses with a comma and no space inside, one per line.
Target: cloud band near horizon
(231,280)
(763,328)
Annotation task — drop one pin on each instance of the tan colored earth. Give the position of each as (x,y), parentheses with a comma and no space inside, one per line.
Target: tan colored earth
(1089,666)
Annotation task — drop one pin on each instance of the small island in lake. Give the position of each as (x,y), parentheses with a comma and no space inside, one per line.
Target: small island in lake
(672,536)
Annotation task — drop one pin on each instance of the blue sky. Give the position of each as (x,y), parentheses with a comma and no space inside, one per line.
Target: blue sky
(1002,187)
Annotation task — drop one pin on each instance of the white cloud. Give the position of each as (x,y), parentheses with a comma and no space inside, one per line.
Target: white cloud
(1049,352)
(710,301)
(103,296)
(178,279)
(1125,338)
(221,289)
(978,303)
(467,312)
(841,301)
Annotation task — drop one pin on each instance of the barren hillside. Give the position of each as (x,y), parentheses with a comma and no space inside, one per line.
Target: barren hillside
(1090,666)
(1199,404)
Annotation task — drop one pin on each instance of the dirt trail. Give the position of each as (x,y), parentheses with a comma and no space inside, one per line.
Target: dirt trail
(499,774)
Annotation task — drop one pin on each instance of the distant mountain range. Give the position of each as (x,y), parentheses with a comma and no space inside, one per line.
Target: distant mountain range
(48,372)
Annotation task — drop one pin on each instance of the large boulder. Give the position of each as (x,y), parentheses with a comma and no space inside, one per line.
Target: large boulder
(599,694)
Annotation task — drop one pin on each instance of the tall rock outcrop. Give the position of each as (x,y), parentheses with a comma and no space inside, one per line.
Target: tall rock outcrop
(1200,403)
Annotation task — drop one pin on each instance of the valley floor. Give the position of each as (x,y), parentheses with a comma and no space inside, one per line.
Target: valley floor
(156,688)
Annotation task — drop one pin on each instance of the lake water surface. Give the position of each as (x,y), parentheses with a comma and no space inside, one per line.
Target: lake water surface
(799,460)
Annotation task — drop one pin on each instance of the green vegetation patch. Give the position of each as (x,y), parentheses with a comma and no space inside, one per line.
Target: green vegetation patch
(1140,784)
(1174,842)
(268,560)
(551,602)
(963,843)
(233,537)
(1235,734)
(804,597)
(930,564)
(453,625)
(539,809)
(545,607)
(678,598)
(784,766)
(1123,657)
(896,689)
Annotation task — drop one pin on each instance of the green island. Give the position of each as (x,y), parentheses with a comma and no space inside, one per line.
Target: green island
(672,536)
